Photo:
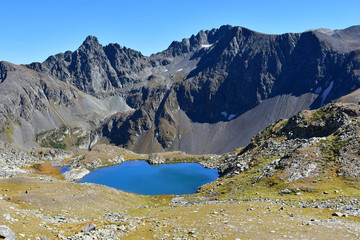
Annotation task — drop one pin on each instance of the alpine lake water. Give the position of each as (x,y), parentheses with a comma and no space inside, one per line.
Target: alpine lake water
(142,178)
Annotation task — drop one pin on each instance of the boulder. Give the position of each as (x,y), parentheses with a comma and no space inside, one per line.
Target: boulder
(75,174)
(6,233)
(89,228)
(156,159)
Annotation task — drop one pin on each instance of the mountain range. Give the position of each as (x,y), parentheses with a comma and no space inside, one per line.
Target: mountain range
(209,93)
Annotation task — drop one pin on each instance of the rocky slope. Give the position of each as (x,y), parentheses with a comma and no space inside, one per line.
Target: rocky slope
(200,95)
(33,103)
(299,178)
(314,153)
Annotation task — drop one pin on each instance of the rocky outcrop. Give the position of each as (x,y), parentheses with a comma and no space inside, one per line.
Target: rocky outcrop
(320,123)
(76,174)
(12,160)
(50,154)
(3,72)
(155,159)
(306,146)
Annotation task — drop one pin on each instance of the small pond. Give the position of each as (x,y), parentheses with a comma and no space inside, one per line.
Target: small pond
(65,169)
(142,178)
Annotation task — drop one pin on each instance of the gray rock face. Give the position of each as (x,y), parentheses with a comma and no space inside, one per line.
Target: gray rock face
(33,102)
(251,67)
(210,82)
(93,68)
(237,70)
(6,233)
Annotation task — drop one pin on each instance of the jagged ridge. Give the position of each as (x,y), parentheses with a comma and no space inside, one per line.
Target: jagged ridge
(210,83)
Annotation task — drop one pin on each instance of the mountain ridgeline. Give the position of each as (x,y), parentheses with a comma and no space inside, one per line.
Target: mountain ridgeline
(209,93)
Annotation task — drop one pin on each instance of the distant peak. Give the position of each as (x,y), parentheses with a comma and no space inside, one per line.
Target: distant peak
(324,31)
(226,27)
(91,40)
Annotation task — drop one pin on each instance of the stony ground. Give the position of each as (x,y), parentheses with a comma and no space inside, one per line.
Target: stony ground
(39,203)
(298,179)
(36,206)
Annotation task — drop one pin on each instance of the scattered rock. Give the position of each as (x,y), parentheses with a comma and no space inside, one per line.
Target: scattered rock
(339,214)
(6,233)
(156,159)
(285,191)
(89,228)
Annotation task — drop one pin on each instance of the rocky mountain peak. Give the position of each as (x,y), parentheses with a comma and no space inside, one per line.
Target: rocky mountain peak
(206,39)
(222,77)
(91,48)
(343,40)
(91,41)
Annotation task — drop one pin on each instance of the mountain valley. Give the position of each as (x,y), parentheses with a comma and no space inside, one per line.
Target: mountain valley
(277,115)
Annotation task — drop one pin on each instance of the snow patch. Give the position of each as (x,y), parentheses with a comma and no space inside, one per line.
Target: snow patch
(326,31)
(179,70)
(228,116)
(318,90)
(326,93)
(231,116)
(205,45)
(165,70)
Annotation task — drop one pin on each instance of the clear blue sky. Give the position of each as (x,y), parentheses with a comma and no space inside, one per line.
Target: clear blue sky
(32,30)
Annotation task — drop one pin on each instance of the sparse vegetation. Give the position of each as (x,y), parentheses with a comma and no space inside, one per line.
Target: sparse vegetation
(80,140)
(55,138)
(7,130)
(272,131)
(331,148)
(319,113)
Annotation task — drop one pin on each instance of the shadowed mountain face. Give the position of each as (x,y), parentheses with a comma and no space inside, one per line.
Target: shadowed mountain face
(209,93)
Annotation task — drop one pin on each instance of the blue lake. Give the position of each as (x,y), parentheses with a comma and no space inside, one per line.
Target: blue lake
(65,169)
(142,178)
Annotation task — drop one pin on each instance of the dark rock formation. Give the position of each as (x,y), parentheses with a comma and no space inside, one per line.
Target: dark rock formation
(202,94)
(239,69)
(3,72)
